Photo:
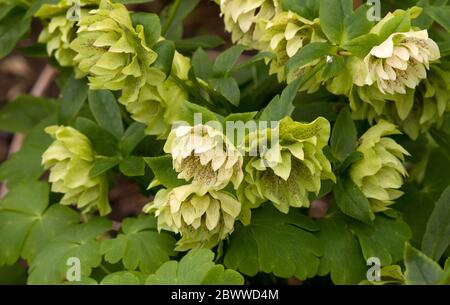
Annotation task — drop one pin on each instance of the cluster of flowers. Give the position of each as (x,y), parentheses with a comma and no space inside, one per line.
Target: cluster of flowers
(390,82)
(222,180)
(104,45)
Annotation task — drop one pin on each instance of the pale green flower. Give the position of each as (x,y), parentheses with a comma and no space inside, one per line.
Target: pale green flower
(415,111)
(114,53)
(379,174)
(401,61)
(70,158)
(60,30)
(244,19)
(291,169)
(202,220)
(157,103)
(205,156)
(285,35)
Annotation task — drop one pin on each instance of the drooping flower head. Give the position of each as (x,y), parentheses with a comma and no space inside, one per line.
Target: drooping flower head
(291,169)
(201,219)
(401,61)
(204,155)
(60,29)
(244,19)
(379,174)
(156,104)
(285,35)
(70,158)
(113,52)
(415,112)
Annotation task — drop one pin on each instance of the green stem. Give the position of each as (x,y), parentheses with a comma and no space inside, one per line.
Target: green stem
(172,12)
(104,269)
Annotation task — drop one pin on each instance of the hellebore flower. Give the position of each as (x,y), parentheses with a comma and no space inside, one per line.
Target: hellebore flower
(379,174)
(285,35)
(401,61)
(60,30)
(244,19)
(205,156)
(202,219)
(70,158)
(291,168)
(113,53)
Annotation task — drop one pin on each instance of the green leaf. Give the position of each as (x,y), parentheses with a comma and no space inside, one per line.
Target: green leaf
(440,15)
(228,88)
(306,8)
(50,264)
(357,24)
(361,45)
(401,22)
(334,68)
(201,64)
(25,112)
(25,165)
(437,234)
(384,239)
(151,25)
(195,268)
(103,165)
(134,134)
(275,243)
(250,63)
(106,111)
(123,278)
(242,116)
(307,54)
(344,135)
(202,41)
(132,166)
(26,222)
(139,245)
(163,170)
(102,140)
(178,10)
(342,256)
(351,201)
(420,269)
(74,94)
(226,60)
(12,28)
(281,106)
(354,157)
(332,14)
(165,50)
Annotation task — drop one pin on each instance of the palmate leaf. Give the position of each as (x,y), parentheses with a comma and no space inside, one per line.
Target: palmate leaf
(25,112)
(25,165)
(275,243)
(195,268)
(139,245)
(27,224)
(50,264)
(339,235)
